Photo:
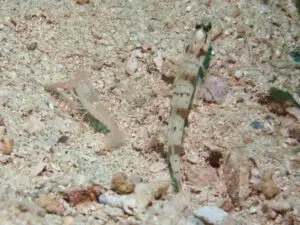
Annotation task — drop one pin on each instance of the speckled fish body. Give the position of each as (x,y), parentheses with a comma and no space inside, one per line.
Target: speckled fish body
(184,89)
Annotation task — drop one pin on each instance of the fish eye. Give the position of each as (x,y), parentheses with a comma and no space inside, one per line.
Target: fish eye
(207,26)
(199,25)
(203,24)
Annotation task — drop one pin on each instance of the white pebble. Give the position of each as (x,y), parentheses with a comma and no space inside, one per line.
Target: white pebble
(159,62)
(158,166)
(277,54)
(253,210)
(188,9)
(211,214)
(132,65)
(238,73)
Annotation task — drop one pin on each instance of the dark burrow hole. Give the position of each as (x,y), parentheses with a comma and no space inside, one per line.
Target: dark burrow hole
(215,159)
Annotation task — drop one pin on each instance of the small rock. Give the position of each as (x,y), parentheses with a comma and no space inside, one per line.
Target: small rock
(277,54)
(279,219)
(212,147)
(256,125)
(139,144)
(238,74)
(132,65)
(267,186)
(235,12)
(32,46)
(100,215)
(211,215)
(214,89)
(280,206)
(33,126)
(113,211)
(6,145)
(159,62)
(227,205)
(129,203)
(201,176)
(121,185)
(271,214)
(255,173)
(188,8)
(253,210)
(84,195)
(295,161)
(193,158)
(145,193)
(50,204)
(248,140)
(232,59)
(241,31)
(284,131)
(81,2)
(158,166)
(146,48)
(138,54)
(160,189)
(97,66)
(67,220)
(29,206)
